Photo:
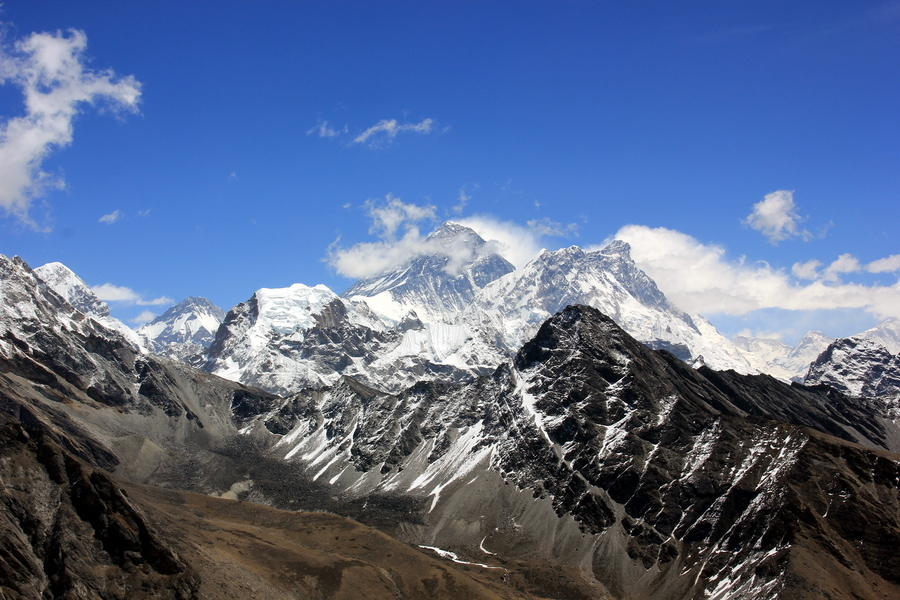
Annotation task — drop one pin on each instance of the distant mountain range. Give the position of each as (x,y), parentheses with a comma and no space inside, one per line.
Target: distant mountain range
(452,314)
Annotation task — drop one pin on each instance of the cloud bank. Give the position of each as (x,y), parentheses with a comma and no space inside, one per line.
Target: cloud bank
(49,68)
(388,217)
(145,317)
(701,279)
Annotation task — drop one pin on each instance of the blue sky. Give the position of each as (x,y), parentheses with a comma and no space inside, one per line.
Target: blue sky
(748,150)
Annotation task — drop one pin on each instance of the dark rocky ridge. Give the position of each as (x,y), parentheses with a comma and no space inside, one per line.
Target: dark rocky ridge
(687,481)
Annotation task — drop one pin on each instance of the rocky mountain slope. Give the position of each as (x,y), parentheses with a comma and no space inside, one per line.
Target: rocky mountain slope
(588,466)
(514,306)
(886,333)
(68,531)
(71,531)
(185,330)
(287,339)
(660,481)
(792,363)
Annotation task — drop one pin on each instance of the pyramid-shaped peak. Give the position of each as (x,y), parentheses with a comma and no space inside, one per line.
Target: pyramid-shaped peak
(451,230)
(620,247)
(192,303)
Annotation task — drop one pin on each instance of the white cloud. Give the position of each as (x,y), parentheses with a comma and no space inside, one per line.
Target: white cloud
(145,317)
(324,130)
(776,217)
(371,258)
(701,279)
(807,270)
(112,217)
(116,293)
(49,69)
(764,333)
(890,264)
(845,263)
(384,131)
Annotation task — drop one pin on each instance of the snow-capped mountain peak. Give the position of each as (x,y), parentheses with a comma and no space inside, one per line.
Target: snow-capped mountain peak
(454,264)
(70,286)
(608,279)
(788,363)
(62,280)
(886,333)
(184,330)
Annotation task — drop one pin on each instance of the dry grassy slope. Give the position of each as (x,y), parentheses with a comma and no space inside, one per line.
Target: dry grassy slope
(70,531)
(241,549)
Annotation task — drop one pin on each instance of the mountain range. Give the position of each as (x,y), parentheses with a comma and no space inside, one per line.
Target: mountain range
(560,430)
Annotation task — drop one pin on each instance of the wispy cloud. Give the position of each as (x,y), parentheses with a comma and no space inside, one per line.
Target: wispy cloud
(117,293)
(549,228)
(462,200)
(112,217)
(776,218)
(49,68)
(324,130)
(701,279)
(381,134)
(392,214)
(385,131)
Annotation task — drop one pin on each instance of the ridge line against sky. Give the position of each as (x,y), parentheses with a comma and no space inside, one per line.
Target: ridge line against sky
(747,153)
